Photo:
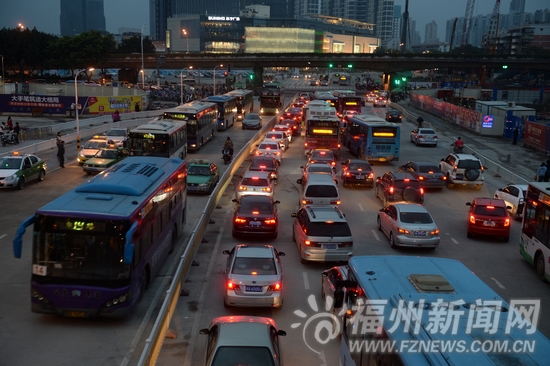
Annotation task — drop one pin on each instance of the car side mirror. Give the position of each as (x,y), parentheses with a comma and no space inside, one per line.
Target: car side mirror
(281,254)
(500,189)
(508,207)
(301,167)
(204,331)
(335,182)
(226,252)
(299,181)
(324,274)
(276,202)
(281,333)
(442,159)
(381,210)
(235,200)
(468,203)
(293,214)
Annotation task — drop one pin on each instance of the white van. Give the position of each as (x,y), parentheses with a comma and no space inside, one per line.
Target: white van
(320,189)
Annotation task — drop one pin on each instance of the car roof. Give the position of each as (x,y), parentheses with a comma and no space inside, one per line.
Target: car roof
(358,161)
(259,174)
(244,330)
(320,178)
(275,132)
(254,251)
(466,156)
(325,212)
(204,162)
(267,141)
(487,201)
(255,198)
(402,175)
(320,163)
(423,163)
(410,207)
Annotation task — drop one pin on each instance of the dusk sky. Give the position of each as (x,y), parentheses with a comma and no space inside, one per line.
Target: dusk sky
(44,14)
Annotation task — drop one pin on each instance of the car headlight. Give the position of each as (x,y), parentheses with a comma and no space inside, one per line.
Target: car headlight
(11,177)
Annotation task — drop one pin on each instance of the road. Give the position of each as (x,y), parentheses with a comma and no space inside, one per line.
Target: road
(27,338)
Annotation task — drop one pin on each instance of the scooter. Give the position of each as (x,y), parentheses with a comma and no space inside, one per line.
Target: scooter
(7,138)
(227,156)
(458,149)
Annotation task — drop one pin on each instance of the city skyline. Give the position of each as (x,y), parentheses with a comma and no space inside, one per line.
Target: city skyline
(45,14)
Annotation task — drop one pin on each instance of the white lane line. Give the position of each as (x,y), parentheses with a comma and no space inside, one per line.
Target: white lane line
(361,207)
(375,234)
(3,236)
(454,241)
(498,283)
(306,280)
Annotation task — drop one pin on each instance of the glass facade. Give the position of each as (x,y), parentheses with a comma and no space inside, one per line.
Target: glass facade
(279,40)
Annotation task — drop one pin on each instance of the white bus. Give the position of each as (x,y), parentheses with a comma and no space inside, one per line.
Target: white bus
(245,101)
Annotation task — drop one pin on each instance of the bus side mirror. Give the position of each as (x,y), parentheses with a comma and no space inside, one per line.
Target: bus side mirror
(128,253)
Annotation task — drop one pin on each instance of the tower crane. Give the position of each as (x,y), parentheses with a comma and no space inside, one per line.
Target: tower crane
(467,22)
(490,39)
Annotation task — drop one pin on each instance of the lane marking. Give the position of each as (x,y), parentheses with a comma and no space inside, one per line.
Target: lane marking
(375,234)
(454,241)
(306,280)
(3,236)
(361,207)
(498,283)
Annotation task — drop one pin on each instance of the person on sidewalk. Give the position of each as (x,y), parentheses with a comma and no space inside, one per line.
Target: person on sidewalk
(515,139)
(16,131)
(541,172)
(61,153)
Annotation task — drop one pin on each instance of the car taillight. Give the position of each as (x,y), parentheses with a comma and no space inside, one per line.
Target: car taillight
(242,188)
(307,242)
(339,145)
(472,219)
(276,287)
(348,174)
(305,144)
(333,163)
(403,231)
(272,221)
(434,232)
(444,177)
(420,136)
(391,190)
(335,202)
(420,178)
(232,286)
(307,202)
(277,153)
(240,220)
(507,222)
(455,167)
(346,244)
(435,136)
(371,175)
(266,189)
(421,190)
(294,127)
(258,153)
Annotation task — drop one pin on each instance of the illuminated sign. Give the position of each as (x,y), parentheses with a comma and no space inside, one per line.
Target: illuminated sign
(487,122)
(148,136)
(324,132)
(324,124)
(383,134)
(229,19)
(352,103)
(79,225)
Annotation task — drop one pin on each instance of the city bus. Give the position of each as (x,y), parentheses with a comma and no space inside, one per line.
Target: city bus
(534,244)
(322,129)
(245,102)
(162,138)
(372,138)
(329,97)
(335,78)
(97,247)
(227,110)
(201,119)
(271,99)
(408,310)
(312,104)
(349,103)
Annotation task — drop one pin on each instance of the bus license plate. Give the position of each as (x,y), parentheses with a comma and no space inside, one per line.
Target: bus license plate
(382,159)
(75,314)
(253,288)
(329,246)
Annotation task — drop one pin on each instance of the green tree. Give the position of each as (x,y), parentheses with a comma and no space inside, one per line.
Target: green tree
(133,44)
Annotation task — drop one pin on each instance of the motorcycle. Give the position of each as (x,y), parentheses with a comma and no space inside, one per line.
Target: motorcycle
(7,138)
(458,149)
(227,156)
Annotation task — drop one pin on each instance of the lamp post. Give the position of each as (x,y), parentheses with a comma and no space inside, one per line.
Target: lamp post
(186,39)
(3,80)
(215,77)
(76,107)
(142,69)
(181,82)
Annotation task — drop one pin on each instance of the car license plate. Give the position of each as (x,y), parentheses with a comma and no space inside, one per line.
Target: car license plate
(360,176)
(75,314)
(460,176)
(255,223)
(419,233)
(253,288)
(489,223)
(329,246)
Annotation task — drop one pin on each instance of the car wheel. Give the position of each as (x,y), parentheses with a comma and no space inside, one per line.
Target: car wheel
(41,175)
(416,142)
(392,241)
(234,234)
(323,295)
(225,304)
(539,267)
(21,183)
(506,239)
(448,182)
(274,236)
(302,260)
(469,234)
(378,224)
(478,187)
(244,128)
(344,182)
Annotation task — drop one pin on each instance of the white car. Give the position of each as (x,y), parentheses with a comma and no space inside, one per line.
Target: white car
(117,135)
(514,196)
(317,168)
(280,137)
(424,136)
(270,148)
(286,129)
(255,183)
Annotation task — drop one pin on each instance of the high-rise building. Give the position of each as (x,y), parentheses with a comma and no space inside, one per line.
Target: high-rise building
(430,36)
(210,7)
(159,11)
(517,6)
(79,16)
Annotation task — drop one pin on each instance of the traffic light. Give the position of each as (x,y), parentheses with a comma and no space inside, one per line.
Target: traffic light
(350,66)
(330,65)
(397,82)
(504,66)
(404,79)
(251,76)
(225,73)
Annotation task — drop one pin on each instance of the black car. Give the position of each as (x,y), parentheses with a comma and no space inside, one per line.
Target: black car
(428,174)
(399,186)
(357,172)
(393,116)
(265,164)
(255,215)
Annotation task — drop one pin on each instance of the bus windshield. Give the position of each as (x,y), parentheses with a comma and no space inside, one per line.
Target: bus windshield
(70,248)
(148,144)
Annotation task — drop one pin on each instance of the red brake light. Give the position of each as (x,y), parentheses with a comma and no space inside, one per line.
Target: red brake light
(272,221)
(507,222)
(335,202)
(472,219)
(232,286)
(407,180)
(240,220)
(322,152)
(262,167)
(420,178)
(391,190)
(255,212)
(491,207)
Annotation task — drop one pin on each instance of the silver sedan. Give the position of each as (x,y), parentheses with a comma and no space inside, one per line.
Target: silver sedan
(424,136)
(408,224)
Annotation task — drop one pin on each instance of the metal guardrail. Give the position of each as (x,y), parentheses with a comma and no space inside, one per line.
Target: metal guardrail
(153,343)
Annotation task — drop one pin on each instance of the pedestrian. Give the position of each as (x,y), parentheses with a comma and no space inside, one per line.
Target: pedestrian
(61,153)
(9,123)
(137,107)
(516,133)
(547,175)
(58,137)
(541,172)
(420,120)
(16,131)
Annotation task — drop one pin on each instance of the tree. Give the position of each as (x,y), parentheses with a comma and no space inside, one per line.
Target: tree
(133,44)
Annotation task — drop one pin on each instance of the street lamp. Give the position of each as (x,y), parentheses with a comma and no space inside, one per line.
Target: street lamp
(76,107)
(215,77)
(142,68)
(186,39)
(20,26)
(181,82)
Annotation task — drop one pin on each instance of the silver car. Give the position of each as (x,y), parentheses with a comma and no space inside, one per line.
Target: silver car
(408,224)
(252,120)
(243,340)
(254,276)
(424,136)
(317,168)
(279,137)
(255,183)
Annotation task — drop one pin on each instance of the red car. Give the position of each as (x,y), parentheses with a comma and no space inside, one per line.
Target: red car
(488,216)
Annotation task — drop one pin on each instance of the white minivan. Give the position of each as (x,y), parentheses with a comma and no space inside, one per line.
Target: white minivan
(320,189)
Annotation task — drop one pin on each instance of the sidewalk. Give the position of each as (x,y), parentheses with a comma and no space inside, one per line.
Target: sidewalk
(518,159)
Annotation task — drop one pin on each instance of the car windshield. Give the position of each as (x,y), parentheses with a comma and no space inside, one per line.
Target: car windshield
(262,165)
(427,132)
(328,229)
(255,182)
(415,218)
(268,147)
(360,167)
(406,183)
(428,169)
(106,154)
(251,117)
(198,170)
(249,356)
(490,211)
(320,169)
(254,266)
(95,144)
(321,191)
(10,163)
(469,164)
(116,133)
(256,208)
(322,155)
